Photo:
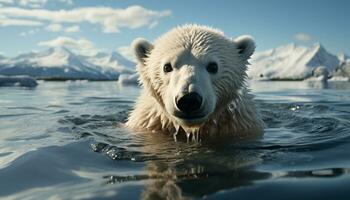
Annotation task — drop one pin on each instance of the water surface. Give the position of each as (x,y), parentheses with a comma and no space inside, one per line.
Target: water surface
(64,140)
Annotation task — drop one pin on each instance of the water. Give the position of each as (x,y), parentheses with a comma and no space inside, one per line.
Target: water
(64,140)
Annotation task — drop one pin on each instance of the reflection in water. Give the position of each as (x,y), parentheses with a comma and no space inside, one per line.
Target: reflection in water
(317,84)
(168,183)
(197,182)
(179,170)
(180,175)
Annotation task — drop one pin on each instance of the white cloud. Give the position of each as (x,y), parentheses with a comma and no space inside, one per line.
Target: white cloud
(59,27)
(72,29)
(127,52)
(81,46)
(39,3)
(30,32)
(110,19)
(32,3)
(7,1)
(4,21)
(70,2)
(302,37)
(54,27)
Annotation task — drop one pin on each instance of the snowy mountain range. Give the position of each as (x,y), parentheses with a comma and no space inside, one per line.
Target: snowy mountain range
(291,62)
(282,63)
(60,63)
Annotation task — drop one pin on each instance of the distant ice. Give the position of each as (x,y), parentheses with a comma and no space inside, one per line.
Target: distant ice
(343,57)
(128,79)
(22,81)
(344,69)
(339,78)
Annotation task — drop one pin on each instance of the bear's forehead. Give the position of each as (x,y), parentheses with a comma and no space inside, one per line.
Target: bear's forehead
(191,37)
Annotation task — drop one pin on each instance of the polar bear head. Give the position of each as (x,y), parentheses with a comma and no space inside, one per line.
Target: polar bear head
(193,71)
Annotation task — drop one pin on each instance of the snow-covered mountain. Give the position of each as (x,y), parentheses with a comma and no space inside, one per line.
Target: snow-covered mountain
(344,69)
(113,61)
(343,57)
(291,62)
(61,63)
(285,62)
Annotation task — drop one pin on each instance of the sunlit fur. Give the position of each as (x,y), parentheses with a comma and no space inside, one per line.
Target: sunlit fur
(228,103)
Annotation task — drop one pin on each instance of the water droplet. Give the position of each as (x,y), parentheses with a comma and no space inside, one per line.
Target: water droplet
(98,147)
(295,108)
(188,136)
(174,136)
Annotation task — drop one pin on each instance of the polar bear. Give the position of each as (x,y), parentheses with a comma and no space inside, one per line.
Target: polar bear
(194,81)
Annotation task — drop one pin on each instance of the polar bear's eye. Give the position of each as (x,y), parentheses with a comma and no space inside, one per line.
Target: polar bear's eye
(212,68)
(167,68)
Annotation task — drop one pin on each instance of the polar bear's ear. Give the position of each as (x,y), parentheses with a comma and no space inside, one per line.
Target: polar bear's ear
(245,45)
(141,48)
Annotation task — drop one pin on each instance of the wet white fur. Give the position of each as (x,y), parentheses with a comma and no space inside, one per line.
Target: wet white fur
(190,48)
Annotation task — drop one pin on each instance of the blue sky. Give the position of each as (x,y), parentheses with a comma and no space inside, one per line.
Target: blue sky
(92,25)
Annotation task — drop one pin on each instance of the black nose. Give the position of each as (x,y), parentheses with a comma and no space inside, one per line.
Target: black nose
(189,103)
